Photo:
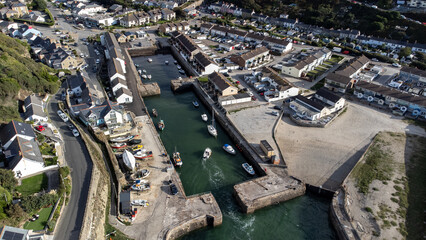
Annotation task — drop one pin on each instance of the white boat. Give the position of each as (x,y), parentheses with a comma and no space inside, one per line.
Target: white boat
(176,62)
(176,159)
(178,67)
(149,59)
(122,139)
(143,154)
(144,71)
(149,76)
(140,174)
(207,153)
(249,169)
(141,185)
(204,117)
(140,72)
(136,65)
(166,62)
(129,160)
(141,202)
(143,76)
(229,149)
(211,128)
(181,71)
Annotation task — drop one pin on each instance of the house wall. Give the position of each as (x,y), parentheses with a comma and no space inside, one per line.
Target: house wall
(229,91)
(116,76)
(210,69)
(124,99)
(292,71)
(28,167)
(118,86)
(37,118)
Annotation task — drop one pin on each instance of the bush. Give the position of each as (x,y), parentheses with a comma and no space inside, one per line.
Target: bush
(368,210)
(32,203)
(7,179)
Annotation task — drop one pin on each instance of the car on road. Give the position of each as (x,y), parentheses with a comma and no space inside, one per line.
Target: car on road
(75,132)
(63,116)
(40,128)
(173,189)
(396,65)
(70,127)
(375,59)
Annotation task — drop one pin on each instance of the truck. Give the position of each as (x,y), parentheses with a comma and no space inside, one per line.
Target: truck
(337,49)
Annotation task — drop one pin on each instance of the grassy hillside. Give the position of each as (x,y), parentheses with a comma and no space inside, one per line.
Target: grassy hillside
(19,72)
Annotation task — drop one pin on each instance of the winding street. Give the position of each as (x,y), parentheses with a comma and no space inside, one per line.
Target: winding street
(80,164)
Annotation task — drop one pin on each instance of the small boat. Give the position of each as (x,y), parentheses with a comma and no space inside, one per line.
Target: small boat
(204,117)
(149,60)
(178,67)
(143,76)
(141,174)
(207,153)
(195,103)
(229,149)
(141,185)
(180,78)
(122,139)
(166,62)
(175,62)
(129,160)
(154,112)
(143,203)
(136,65)
(249,169)
(137,147)
(181,71)
(140,72)
(144,71)
(143,154)
(118,145)
(211,128)
(176,159)
(161,125)
(149,76)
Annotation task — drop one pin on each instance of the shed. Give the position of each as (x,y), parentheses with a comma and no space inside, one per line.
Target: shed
(266,148)
(125,203)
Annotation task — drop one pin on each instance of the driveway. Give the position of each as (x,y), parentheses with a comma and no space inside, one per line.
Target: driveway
(78,159)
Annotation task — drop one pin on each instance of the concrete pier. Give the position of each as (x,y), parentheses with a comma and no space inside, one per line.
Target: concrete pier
(179,85)
(265,191)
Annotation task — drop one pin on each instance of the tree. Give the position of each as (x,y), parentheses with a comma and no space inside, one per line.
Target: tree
(40,4)
(377,26)
(7,179)
(15,212)
(404,52)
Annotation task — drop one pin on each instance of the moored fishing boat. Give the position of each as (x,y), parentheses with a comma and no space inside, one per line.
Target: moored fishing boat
(181,71)
(177,161)
(195,103)
(175,62)
(178,67)
(249,169)
(204,117)
(211,128)
(144,71)
(166,62)
(129,160)
(207,153)
(143,76)
(149,76)
(149,60)
(140,202)
(161,125)
(154,112)
(229,149)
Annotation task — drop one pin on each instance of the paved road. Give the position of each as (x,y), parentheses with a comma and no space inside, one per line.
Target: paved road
(78,159)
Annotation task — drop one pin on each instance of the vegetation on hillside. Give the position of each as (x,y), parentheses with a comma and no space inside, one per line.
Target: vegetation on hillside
(19,71)
(340,14)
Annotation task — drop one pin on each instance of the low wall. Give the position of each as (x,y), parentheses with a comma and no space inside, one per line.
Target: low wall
(339,219)
(323,192)
(137,52)
(180,85)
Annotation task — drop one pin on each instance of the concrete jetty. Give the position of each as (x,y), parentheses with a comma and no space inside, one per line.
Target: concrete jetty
(265,191)
(179,85)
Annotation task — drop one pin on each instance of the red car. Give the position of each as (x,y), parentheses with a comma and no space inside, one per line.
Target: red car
(40,128)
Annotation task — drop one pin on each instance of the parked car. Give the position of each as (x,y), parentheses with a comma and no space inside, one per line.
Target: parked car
(275,113)
(75,132)
(173,189)
(40,128)
(277,107)
(98,61)
(70,127)
(396,65)
(63,116)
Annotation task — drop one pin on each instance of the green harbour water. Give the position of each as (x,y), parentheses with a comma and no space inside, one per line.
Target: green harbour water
(305,217)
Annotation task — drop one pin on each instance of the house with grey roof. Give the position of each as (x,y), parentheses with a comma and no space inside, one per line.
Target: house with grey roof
(34,109)
(185,45)
(21,151)
(303,62)
(123,95)
(222,85)
(13,233)
(204,65)
(253,58)
(109,114)
(167,14)
(116,69)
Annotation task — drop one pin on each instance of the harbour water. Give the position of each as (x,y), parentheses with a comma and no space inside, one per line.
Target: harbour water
(305,217)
